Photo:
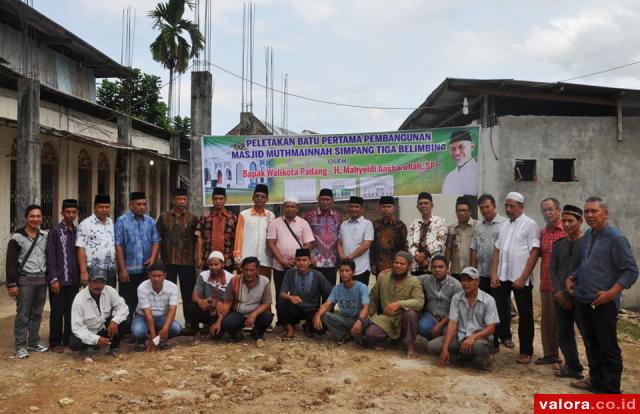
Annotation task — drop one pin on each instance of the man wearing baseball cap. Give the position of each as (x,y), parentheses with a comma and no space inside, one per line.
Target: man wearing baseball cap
(473,317)
(96,315)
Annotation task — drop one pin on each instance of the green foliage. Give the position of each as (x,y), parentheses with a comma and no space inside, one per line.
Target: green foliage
(182,127)
(171,48)
(137,95)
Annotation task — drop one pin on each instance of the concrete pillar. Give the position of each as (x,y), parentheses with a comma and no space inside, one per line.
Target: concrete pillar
(123,167)
(201,103)
(27,147)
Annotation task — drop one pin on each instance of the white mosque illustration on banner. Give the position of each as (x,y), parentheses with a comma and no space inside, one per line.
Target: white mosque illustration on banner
(227,172)
(343,188)
(304,189)
(377,186)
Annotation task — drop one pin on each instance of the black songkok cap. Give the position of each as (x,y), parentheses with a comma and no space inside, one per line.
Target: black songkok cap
(303,253)
(219,191)
(102,199)
(261,188)
(157,265)
(181,192)
(326,192)
(137,195)
(356,200)
(460,135)
(576,211)
(463,200)
(386,200)
(70,203)
(441,257)
(425,196)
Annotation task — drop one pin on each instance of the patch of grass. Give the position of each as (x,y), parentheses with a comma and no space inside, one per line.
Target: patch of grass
(629,329)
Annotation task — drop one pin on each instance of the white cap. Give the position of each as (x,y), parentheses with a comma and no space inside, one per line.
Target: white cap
(291,199)
(515,196)
(216,255)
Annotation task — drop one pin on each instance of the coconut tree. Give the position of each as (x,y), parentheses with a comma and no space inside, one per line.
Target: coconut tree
(178,41)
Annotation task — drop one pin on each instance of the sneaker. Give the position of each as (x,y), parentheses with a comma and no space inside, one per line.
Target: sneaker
(22,353)
(38,348)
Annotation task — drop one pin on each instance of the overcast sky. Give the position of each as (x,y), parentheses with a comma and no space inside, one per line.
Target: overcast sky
(381,52)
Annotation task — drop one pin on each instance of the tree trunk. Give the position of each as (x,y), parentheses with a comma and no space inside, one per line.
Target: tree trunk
(170,100)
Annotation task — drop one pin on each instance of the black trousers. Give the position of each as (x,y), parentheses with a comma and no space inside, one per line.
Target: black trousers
(524,302)
(288,313)
(187,275)
(234,322)
(601,342)
(60,315)
(363,277)
(485,284)
(77,345)
(566,319)
(278,278)
(329,273)
(199,316)
(129,292)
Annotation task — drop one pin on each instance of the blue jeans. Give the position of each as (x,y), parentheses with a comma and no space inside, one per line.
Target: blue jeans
(140,330)
(426,324)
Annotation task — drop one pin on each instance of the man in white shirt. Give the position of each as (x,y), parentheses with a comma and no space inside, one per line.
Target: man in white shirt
(96,315)
(356,236)
(156,311)
(515,255)
(463,179)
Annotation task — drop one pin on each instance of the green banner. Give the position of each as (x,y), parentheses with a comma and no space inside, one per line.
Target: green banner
(370,165)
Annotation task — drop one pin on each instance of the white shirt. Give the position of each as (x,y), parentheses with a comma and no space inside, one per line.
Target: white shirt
(158,302)
(352,234)
(515,241)
(462,180)
(87,319)
(98,240)
(251,235)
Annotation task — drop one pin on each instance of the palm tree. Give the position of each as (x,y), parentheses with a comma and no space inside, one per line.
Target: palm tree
(171,47)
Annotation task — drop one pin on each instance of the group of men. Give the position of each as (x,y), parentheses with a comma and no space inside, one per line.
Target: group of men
(449,284)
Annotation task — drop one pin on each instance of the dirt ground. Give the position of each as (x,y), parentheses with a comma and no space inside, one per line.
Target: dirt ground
(305,374)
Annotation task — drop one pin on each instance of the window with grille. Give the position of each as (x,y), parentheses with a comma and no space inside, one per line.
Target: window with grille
(563,169)
(48,186)
(153,189)
(85,178)
(141,177)
(525,170)
(103,174)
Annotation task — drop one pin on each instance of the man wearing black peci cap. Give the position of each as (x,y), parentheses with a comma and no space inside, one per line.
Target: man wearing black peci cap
(565,259)
(216,232)
(137,246)
(459,240)
(463,179)
(325,225)
(95,242)
(299,297)
(63,275)
(356,236)
(251,231)
(177,228)
(429,232)
(390,236)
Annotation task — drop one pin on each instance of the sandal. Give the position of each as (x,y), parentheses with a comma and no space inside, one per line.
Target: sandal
(584,385)
(524,359)
(563,372)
